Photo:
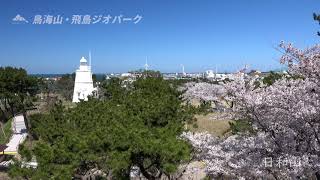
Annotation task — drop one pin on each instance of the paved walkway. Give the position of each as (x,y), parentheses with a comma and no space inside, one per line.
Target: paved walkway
(19,135)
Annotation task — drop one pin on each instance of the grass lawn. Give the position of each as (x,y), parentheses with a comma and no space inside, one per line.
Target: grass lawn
(215,127)
(8,131)
(4,176)
(68,104)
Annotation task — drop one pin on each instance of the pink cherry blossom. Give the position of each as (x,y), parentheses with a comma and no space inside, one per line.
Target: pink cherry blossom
(285,115)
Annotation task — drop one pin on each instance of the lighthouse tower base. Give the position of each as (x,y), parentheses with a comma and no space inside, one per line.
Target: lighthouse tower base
(83,86)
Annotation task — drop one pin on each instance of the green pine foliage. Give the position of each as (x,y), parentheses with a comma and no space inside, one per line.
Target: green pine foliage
(7,132)
(241,126)
(272,78)
(136,126)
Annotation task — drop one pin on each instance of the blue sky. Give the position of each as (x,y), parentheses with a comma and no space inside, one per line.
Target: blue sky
(201,34)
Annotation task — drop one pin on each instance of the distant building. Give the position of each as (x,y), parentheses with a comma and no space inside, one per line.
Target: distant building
(83,85)
(255,73)
(210,74)
(221,76)
(126,75)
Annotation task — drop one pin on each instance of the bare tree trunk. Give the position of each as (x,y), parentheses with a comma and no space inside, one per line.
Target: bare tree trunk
(28,126)
(26,120)
(7,107)
(4,115)
(145,173)
(4,134)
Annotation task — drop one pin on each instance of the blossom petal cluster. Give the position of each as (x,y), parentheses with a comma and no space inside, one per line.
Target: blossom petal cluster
(285,115)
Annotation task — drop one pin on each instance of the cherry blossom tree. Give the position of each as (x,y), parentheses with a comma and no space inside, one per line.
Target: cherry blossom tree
(286,117)
(204,91)
(207,93)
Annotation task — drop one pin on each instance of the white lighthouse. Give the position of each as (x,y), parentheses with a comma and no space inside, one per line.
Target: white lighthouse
(83,85)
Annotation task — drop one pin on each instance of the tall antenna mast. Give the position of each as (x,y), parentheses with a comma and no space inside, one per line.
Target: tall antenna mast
(146,65)
(215,75)
(183,72)
(90,58)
